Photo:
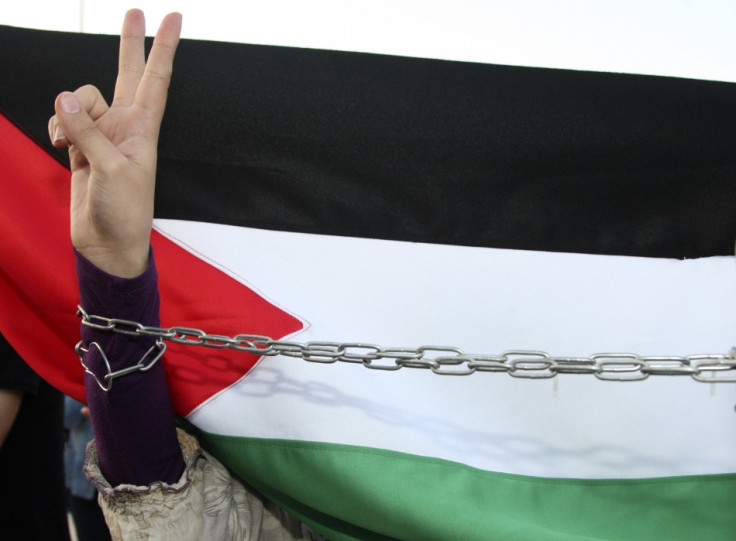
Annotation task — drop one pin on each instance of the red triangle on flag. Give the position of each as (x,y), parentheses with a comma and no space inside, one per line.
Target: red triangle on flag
(38,290)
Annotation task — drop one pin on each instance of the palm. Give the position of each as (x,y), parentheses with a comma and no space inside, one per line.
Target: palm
(96,215)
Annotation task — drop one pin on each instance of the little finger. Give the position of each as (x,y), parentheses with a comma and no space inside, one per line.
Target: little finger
(58,139)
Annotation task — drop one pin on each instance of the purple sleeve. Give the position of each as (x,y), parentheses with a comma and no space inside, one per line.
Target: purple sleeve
(133,423)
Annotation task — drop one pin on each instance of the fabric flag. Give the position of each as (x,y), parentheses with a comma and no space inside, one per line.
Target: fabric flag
(317,196)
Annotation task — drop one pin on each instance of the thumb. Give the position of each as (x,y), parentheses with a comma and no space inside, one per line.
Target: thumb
(81,131)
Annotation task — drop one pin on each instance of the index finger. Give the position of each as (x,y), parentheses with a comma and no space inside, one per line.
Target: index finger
(154,85)
(132,57)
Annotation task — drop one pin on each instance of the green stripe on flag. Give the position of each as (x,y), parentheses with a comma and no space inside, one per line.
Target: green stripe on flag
(349,492)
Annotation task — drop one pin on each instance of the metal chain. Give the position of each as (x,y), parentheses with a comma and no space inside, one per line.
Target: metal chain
(157,350)
(443,360)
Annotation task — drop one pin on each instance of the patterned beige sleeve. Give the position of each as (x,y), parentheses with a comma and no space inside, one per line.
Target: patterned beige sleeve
(206,503)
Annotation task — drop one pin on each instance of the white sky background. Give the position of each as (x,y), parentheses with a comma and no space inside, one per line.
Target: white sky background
(684,38)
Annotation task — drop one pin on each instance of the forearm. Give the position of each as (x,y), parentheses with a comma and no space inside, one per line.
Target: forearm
(133,421)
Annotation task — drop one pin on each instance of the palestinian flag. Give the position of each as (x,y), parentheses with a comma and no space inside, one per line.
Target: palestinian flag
(314,196)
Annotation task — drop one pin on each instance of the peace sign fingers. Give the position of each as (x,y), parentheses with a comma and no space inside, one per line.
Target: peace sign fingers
(140,82)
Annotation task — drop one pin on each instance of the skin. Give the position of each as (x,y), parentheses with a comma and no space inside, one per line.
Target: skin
(113,150)
(9,405)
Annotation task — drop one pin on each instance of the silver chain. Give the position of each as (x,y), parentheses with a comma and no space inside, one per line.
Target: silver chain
(442,360)
(156,351)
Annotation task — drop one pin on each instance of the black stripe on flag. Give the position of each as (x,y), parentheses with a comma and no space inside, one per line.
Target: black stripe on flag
(422,150)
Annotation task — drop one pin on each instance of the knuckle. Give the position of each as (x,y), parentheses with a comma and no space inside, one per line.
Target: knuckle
(118,164)
(113,168)
(128,67)
(91,99)
(87,131)
(88,88)
(88,93)
(158,74)
(165,47)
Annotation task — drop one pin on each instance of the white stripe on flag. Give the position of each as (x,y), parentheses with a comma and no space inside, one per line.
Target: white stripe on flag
(483,301)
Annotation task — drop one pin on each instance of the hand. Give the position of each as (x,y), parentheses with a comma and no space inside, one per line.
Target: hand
(113,150)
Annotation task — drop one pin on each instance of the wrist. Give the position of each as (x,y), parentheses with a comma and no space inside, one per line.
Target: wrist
(123,263)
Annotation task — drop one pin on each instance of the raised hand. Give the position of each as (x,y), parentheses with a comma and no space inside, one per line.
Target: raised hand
(113,150)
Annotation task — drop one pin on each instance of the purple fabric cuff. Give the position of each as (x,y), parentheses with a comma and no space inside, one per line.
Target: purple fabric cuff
(133,423)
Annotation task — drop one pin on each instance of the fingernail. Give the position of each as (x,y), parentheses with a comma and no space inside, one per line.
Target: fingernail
(58,134)
(69,103)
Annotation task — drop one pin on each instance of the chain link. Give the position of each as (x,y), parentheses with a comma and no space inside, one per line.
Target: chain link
(442,360)
(155,352)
